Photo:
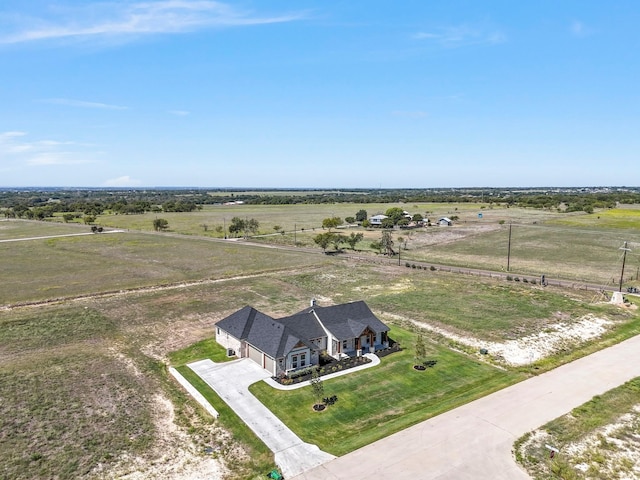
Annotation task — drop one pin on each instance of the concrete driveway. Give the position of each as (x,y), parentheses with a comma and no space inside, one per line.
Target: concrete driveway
(475,440)
(231,382)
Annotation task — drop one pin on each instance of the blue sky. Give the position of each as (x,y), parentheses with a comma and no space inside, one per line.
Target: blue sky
(311,93)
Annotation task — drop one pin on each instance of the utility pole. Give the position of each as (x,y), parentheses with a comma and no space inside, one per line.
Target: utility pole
(295,237)
(624,258)
(509,249)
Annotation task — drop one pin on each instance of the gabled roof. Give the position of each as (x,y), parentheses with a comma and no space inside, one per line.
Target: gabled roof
(263,332)
(305,324)
(274,338)
(277,338)
(349,320)
(239,323)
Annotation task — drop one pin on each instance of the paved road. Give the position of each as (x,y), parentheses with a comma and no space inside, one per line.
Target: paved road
(475,440)
(231,381)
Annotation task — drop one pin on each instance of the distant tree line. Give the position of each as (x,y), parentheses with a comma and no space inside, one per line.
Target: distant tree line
(42,203)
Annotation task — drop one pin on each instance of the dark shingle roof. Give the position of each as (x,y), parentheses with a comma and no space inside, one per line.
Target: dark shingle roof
(274,338)
(239,323)
(349,320)
(305,324)
(277,338)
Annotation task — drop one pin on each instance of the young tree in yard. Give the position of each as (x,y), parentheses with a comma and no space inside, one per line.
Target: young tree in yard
(361,215)
(353,239)
(160,224)
(317,386)
(89,219)
(350,219)
(421,350)
(417,218)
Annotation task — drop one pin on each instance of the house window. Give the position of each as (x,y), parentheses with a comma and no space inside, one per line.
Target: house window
(303,359)
(344,344)
(294,361)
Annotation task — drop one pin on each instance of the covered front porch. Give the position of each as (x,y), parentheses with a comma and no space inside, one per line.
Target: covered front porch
(368,342)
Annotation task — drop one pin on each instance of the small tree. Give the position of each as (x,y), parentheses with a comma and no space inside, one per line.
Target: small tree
(160,224)
(353,239)
(67,217)
(386,243)
(361,215)
(89,219)
(350,219)
(421,350)
(317,386)
(324,239)
(332,222)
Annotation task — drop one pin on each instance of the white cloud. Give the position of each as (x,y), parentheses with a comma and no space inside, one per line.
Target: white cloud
(56,158)
(83,104)
(14,147)
(124,181)
(179,113)
(130,19)
(462,36)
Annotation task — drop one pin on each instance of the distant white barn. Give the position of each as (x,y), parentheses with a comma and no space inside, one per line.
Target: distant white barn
(444,221)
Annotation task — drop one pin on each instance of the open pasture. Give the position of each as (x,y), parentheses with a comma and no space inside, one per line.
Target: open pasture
(12,229)
(44,269)
(626,217)
(580,254)
(300,216)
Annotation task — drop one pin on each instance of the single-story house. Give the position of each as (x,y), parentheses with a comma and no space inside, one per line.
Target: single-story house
(294,342)
(377,219)
(445,221)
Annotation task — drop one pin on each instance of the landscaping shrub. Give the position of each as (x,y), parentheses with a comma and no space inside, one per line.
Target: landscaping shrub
(432,268)
(509,278)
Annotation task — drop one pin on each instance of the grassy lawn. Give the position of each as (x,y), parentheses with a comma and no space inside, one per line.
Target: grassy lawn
(207,348)
(379,401)
(605,455)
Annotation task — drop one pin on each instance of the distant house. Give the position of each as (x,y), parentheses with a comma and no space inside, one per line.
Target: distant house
(444,221)
(376,220)
(294,342)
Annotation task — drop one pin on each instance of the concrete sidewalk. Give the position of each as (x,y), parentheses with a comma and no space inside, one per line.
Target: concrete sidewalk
(231,380)
(475,441)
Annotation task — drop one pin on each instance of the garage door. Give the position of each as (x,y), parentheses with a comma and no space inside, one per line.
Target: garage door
(255,355)
(269,364)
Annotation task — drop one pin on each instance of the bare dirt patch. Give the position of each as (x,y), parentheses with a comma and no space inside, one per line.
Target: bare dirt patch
(174,456)
(529,349)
